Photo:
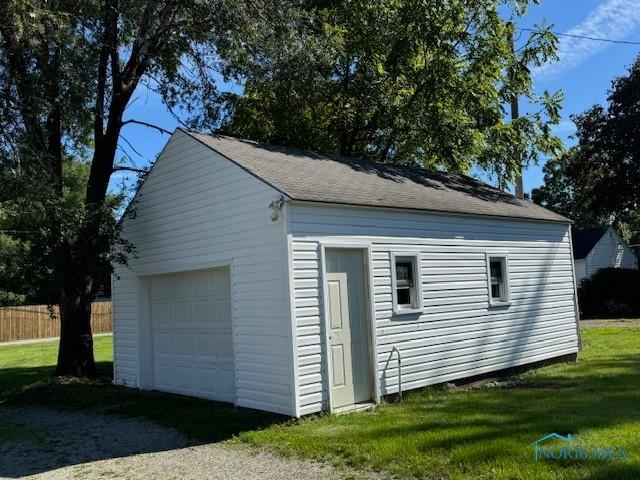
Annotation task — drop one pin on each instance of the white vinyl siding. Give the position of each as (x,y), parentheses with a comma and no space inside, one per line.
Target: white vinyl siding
(610,252)
(580,271)
(198,210)
(457,334)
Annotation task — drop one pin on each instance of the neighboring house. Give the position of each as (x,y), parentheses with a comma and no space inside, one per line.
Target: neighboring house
(282,280)
(601,247)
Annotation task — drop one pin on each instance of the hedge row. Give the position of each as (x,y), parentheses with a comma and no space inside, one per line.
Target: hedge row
(610,293)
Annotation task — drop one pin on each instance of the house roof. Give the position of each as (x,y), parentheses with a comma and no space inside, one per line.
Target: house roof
(585,239)
(308,176)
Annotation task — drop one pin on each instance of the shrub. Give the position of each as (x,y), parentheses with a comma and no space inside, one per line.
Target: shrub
(610,293)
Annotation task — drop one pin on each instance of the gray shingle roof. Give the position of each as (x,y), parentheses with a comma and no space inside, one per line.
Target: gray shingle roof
(585,239)
(309,176)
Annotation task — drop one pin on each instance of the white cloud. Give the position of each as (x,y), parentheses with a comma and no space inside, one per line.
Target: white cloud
(614,19)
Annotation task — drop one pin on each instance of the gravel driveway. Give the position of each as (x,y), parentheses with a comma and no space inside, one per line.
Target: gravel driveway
(47,444)
(627,323)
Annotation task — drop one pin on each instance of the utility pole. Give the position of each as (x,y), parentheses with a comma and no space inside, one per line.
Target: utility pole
(519,183)
(515,113)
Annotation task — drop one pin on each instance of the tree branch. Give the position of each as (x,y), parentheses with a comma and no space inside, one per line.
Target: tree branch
(131,146)
(146,124)
(130,169)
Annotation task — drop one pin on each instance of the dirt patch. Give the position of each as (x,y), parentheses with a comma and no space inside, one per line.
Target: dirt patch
(51,444)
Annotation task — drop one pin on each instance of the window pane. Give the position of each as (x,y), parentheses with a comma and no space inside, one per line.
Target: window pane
(496,270)
(404,296)
(495,290)
(406,293)
(404,273)
(497,274)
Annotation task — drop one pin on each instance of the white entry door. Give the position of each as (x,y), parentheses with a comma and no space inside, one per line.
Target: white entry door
(347,328)
(192,342)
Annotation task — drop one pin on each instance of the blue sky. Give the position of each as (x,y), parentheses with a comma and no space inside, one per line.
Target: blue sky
(583,73)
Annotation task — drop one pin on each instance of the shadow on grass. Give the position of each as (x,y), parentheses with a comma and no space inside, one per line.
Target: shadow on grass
(561,403)
(201,421)
(436,431)
(15,379)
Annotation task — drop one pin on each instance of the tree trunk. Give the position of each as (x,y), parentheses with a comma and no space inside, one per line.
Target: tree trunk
(75,354)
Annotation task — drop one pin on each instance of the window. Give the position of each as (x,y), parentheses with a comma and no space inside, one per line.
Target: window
(406,283)
(498,279)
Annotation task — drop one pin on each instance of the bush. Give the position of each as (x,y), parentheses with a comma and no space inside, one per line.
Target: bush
(610,293)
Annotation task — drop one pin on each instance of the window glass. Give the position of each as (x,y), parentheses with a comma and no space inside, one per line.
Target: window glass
(406,294)
(497,277)
(404,273)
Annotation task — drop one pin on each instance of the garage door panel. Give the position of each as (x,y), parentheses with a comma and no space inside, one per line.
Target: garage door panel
(226,380)
(182,285)
(183,346)
(204,283)
(183,377)
(192,339)
(206,347)
(163,376)
(222,313)
(204,313)
(181,314)
(161,313)
(162,288)
(221,286)
(224,348)
(163,344)
(206,381)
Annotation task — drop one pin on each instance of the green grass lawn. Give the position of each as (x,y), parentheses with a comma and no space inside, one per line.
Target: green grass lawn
(485,432)
(435,433)
(24,365)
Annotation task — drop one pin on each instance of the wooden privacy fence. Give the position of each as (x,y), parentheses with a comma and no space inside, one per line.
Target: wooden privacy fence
(34,321)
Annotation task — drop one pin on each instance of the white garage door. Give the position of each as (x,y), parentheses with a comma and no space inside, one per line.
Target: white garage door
(191,331)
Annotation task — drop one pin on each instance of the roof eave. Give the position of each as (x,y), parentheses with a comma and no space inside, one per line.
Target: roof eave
(561,220)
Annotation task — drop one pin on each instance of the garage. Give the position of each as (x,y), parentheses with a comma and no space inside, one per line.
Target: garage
(191,331)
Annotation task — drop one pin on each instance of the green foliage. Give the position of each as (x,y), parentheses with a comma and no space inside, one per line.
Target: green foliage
(608,161)
(598,181)
(418,83)
(12,274)
(31,245)
(610,293)
(68,71)
(560,194)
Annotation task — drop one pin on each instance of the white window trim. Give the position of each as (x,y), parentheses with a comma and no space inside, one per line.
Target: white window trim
(507,301)
(397,310)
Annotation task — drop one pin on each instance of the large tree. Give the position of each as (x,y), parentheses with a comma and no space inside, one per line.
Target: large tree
(18,262)
(598,180)
(413,82)
(607,163)
(561,194)
(68,70)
